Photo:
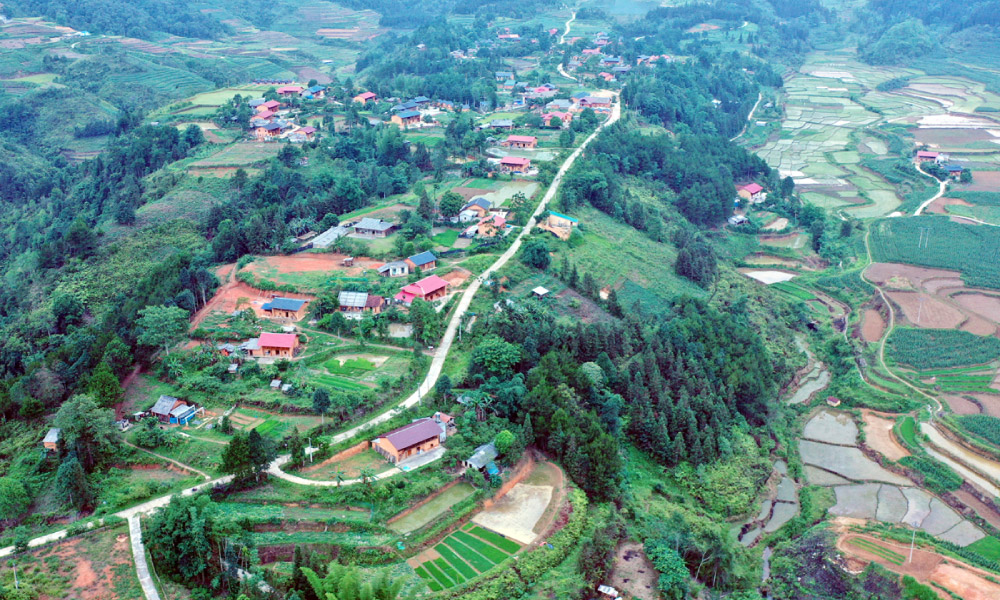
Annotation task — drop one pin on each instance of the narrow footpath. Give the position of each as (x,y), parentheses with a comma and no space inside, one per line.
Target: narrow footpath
(139,556)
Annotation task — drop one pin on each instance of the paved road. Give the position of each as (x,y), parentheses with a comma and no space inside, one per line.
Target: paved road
(942,185)
(139,556)
(407,466)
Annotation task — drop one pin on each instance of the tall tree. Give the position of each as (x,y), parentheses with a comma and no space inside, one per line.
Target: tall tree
(88,430)
(161,325)
(71,483)
(104,386)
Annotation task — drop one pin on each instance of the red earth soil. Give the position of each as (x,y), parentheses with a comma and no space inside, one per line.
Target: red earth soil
(984,181)
(990,402)
(873,326)
(938,206)
(924,310)
(962,406)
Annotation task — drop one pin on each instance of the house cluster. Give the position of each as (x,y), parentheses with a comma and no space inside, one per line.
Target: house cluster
(267,345)
(171,411)
(507,82)
(942,160)
(612,67)
(486,221)
(419,437)
(577,103)
(271,121)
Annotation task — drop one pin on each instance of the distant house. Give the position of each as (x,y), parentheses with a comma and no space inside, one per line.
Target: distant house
(595,102)
(622,70)
(564,117)
(421,100)
(366,97)
(559,104)
(606,76)
(482,457)
(355,304)
(491,226)
(420,436)
(289,90)
(406,118)
(954,171)
(285,308)
(520,141)
(408,105)
(925,156)
(256,102)
(479,205)
(426,261)
(328,237)
(308,132)
(429,289)
(833,401)
(501,124)
(267,131)
(540,292)
(271,105)
(51,441)
(315,92)
(276,345)
(514,164)
(172,410)
(752,192)
(394,269)
(591,51)
(370,227)
(503,75)
(560,220)
(738,220)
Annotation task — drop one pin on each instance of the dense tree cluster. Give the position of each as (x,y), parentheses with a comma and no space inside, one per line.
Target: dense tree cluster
(142,18)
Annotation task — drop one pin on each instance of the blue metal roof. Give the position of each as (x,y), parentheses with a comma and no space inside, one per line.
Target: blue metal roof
(492,469)
(284,304)
(554,213)
(407,114)
(423,258)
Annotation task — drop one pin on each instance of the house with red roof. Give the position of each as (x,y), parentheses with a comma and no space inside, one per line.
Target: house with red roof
(926,156)
(553,31)
(264,115)
(752,192)
(366,97)
(591,51)
(514,164)
(274,345)
(606,76)
(271,105)
(491,226)
(290,90)
(429,288)
(308,132)
(565,117)
(520,141)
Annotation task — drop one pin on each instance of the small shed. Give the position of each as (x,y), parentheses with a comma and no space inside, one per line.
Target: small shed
(182,414)
(348,261)
(275,383)
(540,292)
(833,401)
(51,441)
(482,457)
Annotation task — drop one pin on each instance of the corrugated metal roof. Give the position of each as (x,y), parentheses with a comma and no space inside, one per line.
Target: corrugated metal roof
(414,433)
(353,299)
(483,455)
(163,405)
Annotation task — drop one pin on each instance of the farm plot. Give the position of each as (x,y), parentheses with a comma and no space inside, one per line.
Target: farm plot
(361,371)
(831,427)
(463,555)
(927,349)
(437,506)
(846,462)
(346,468)
(240,154)
(312,270)
(517,513)
(878,436)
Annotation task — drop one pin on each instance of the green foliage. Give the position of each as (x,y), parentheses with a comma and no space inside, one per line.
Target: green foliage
(986,427)
(88,430)
(938,477)
(731,485)
(346,583)
(504,441)
(908,431)
(181,537)
(161,325)
(933,241)
(674,576)
(71,484)
(494,356)
(14,498)
(937,348)
(536,254)
(104,386)
(914,590)
(901,42)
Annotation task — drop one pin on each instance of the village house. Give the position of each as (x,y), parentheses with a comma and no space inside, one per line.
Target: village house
(285,308)
(289,90)
(954,171)
(482,459)
(514,164)
(595,102)
(420,436)
(366,97)
(421,101)
(355,304)
(405,106)
(51,440)
(425,261)
(621,70)
(926,156)
(255,103)
(503,75)
(406,118)
(559,105)
(376,228)
(172,410)
(271,105)
(396,268)
(752,192)
(559,225)
(429,288)
(591,51)
(307,131)
(608,77)
(315,92)
(564,117)
(520,141)
(491,226)
(501,124)
(267,131)
(478,207)
(275,345)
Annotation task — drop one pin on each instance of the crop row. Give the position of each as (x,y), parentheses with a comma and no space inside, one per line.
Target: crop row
(894,557)
(939,348)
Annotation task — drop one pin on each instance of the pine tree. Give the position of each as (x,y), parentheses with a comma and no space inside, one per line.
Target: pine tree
(104,386)
(71,483)
(527,431)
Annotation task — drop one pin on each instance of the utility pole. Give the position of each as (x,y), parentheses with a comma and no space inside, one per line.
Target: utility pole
(912,541)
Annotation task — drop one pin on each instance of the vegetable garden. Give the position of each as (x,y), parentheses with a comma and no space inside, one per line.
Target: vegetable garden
(465,554)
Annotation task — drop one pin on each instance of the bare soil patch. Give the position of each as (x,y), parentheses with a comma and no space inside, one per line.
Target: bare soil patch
(872,325)
(701,27)
(308,261)
(983,510)
(457,276)
(777,225)
(984,181)
(238,295)
(940,206)
(965,582)
(950,137)
(924,310)
(985,305)
(878,436)
(923,562)
(990,402)
(882,273)
(960,405)
(633,573)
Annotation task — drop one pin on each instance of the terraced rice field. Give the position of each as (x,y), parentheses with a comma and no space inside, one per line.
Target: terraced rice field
(463,555)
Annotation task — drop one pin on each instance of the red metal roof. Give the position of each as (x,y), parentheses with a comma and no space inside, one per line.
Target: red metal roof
(515,160)
(278,340)
(427,285)
(926,154)
(524,139)
(753,188)
(308,130)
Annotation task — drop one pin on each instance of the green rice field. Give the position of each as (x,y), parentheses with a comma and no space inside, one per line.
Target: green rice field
(465,553)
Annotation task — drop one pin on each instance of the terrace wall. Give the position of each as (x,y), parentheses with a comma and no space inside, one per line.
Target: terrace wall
(352,451)
(521,470)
